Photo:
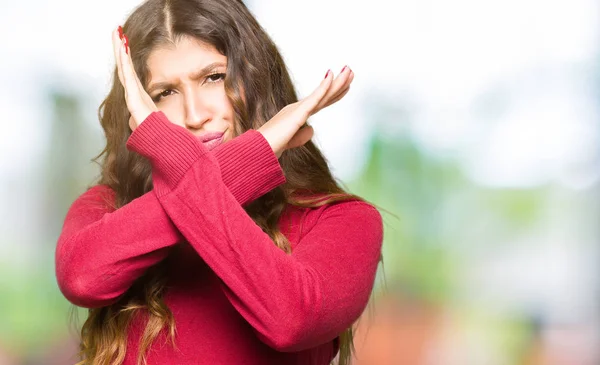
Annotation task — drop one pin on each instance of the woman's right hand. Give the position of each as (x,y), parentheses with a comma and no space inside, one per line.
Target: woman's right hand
(138,101)
(287,128)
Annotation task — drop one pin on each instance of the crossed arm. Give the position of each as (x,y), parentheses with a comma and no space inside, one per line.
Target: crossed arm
(293,302)
(101,251)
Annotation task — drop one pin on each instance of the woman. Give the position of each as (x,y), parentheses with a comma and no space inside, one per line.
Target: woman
(216,234)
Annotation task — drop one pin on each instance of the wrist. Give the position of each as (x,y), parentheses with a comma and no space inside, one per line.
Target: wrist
(277,150)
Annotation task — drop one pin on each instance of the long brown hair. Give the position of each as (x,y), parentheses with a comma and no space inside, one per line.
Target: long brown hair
(258,86)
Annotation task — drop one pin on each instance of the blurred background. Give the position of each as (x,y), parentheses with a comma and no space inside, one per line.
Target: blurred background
(474,123)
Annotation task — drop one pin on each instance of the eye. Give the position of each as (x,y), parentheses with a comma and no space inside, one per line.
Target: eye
(161,95)
(216,77)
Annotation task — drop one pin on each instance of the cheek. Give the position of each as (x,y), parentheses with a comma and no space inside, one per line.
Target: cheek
(223,107)
(221,103)
(173,111)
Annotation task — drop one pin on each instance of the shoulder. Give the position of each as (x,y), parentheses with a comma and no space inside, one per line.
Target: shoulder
(349,215)
(349,205)
(89,207)
(350,227)
(98,197)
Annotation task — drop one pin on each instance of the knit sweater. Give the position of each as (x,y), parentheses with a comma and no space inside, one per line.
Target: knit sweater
(236,297)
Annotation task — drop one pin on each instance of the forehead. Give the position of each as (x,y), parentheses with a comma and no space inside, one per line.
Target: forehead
(170,62)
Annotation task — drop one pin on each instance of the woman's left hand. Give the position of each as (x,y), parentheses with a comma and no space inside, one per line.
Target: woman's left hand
(287,129)
(138,101)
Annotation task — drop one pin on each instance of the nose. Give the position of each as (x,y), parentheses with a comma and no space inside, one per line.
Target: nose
(197,112)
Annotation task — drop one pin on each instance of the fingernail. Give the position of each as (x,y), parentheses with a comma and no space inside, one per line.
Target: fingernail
(327,74)
(345,67)
(126,44)
(120,29)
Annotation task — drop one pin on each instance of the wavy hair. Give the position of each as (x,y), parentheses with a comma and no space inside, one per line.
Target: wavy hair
(258,86)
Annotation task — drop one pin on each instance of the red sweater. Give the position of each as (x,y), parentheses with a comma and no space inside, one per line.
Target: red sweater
(236,297)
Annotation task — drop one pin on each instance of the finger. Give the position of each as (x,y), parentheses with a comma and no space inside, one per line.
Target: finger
(334,100)
(132,68)
(139,102)
(116,41)
(131,87)
(341,84)
(337,98)
(344,83)
(129,65)
(309,103)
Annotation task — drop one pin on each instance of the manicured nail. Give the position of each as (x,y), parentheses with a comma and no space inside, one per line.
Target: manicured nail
(126,44)
(327,74)
(345,67)
(120,29)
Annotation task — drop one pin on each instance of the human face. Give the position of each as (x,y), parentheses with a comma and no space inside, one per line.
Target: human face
(186,82)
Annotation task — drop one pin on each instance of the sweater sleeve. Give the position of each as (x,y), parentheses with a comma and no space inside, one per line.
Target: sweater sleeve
(102,251)
(293,302)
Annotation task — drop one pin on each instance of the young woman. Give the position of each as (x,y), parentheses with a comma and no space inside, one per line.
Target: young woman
(216,234)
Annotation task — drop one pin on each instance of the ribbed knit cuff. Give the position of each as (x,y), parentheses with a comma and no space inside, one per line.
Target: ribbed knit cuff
(249,166)
(170,148)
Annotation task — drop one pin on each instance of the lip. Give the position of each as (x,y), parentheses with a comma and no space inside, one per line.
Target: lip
(206,137)
(211,140)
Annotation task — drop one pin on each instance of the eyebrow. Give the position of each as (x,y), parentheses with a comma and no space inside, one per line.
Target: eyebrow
(194,76)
